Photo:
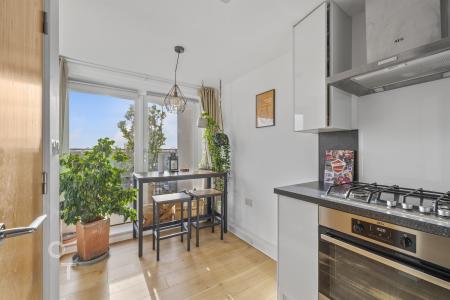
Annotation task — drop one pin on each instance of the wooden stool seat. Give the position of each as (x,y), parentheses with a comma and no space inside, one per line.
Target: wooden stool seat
(205,193)
(214,220)
(171,198)
(158,228)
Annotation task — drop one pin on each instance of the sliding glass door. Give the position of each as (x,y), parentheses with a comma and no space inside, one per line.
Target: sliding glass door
(141,127)
(96,113)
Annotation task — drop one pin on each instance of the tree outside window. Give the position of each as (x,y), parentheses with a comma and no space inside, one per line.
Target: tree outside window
(156,136)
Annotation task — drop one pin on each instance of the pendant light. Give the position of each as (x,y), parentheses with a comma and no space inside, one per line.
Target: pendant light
(175,102)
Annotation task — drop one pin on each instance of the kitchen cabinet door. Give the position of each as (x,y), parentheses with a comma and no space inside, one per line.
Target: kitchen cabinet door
(297,249)
(310,71)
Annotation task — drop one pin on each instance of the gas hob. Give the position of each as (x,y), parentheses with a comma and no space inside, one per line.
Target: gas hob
(394,197)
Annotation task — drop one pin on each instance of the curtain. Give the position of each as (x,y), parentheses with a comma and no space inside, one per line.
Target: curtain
(63,106)
(211,104)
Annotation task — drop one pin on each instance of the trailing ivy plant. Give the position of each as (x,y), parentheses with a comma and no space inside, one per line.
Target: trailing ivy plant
(219,148)
(92,187)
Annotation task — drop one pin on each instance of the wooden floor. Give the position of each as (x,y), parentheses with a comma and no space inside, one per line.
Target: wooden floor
(229,269)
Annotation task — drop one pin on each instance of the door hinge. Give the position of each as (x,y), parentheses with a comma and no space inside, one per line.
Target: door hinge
(44,183)
(44,22)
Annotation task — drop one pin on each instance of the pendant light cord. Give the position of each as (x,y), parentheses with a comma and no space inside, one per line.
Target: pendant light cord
(176,68)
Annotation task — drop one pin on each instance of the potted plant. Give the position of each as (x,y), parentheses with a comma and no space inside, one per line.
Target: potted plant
(92,187)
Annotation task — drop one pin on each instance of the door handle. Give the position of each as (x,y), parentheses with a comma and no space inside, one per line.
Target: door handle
(12,232)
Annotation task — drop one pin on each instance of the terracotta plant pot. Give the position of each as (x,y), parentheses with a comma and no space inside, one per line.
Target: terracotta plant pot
(92,239)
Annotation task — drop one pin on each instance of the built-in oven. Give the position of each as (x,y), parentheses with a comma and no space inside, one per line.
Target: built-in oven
(362,258)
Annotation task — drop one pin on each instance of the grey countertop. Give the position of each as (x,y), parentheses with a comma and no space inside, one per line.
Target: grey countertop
(314,192)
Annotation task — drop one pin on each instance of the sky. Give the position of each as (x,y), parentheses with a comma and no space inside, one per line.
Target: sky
(93,116)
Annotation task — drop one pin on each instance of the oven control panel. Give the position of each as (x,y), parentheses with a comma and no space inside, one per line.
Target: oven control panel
(396,238)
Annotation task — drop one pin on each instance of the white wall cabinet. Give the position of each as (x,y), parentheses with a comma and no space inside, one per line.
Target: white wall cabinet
(298,249)
(319,40)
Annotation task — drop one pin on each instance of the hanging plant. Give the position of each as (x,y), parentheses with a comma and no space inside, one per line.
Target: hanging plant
(219,148)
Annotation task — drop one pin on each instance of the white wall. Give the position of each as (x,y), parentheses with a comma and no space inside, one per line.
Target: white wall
(405,136)
(264,158)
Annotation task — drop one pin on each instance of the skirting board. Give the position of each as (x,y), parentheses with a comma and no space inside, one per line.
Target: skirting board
(262,245)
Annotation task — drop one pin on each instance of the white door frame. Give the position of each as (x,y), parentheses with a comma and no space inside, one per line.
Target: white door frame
(51,158)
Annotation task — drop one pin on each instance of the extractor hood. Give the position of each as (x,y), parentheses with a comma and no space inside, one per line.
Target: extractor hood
(412,66)
(422,64)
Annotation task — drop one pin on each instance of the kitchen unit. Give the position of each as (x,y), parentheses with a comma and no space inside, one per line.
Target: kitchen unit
(318,108)
(370,242)
(297,249)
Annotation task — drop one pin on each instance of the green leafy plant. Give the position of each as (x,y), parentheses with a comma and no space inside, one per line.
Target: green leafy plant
(126,127)
(92,186)
(219,148)
(156,137)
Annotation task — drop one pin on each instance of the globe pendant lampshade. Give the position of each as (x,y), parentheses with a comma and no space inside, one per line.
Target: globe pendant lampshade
(175,102)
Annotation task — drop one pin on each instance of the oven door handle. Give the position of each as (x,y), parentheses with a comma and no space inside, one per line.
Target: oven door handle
(391,263)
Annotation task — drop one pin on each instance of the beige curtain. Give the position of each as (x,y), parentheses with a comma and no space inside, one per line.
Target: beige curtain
(63,106)
(211,104)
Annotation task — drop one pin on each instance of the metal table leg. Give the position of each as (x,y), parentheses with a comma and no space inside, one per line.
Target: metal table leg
(213,213)
(225,203)
(182,219)
(157,233)
(208,200)
(141,216)
(189,224)
(154,222)
(197,228)
(134,207)
(222,223)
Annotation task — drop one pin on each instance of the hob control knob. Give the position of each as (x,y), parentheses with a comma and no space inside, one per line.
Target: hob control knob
(405,242)
(358,228)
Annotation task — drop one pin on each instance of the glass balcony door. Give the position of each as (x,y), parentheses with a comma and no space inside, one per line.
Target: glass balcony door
(94,113)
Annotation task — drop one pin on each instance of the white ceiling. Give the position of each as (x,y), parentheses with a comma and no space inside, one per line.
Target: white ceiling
(221,40)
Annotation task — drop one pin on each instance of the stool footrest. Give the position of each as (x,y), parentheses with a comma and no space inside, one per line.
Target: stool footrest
(173,235)
(165,227)
(205,224)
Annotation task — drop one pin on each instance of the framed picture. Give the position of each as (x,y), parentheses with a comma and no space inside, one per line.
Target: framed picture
(265,109)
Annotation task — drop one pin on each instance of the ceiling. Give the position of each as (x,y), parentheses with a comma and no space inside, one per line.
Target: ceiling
(222,40)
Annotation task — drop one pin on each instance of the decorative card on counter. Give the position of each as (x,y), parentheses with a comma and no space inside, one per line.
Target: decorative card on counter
(339,166)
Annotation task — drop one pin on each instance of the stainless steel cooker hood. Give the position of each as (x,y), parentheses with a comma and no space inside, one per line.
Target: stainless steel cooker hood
(416,65)
(426,63)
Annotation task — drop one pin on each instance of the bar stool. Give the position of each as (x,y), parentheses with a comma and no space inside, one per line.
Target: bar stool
(158,228)
(208,193)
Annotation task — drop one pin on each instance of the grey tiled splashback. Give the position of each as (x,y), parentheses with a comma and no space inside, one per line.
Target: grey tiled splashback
(340,140)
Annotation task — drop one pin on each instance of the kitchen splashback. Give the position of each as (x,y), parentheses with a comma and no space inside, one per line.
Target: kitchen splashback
(340,140)
(404,136)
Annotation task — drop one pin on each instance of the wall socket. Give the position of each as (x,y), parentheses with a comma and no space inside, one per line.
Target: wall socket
(248,202)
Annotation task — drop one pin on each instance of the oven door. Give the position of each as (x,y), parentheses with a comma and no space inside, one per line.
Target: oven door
(350,271)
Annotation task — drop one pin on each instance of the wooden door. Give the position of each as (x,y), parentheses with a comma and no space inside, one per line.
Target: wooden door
(21,67)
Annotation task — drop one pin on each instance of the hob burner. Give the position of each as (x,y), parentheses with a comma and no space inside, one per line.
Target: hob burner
(425,209)
(443,211)
(360,194)
(391,203)
(407,206)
